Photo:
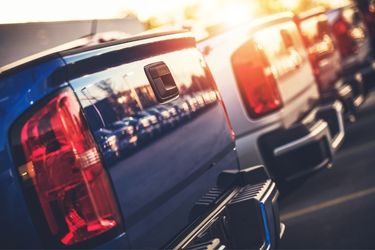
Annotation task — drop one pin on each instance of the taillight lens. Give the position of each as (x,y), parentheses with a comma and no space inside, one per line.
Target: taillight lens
(63,168)
(314,62)
(256,80)
(346,42)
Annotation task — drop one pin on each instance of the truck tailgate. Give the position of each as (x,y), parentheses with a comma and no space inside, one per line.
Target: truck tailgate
(158,172)
(299,92)
(291,67)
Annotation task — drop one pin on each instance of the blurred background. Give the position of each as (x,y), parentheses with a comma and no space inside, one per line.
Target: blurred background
(30,26)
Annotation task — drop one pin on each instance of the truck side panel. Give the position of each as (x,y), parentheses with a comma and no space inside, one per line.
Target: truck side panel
(160,177)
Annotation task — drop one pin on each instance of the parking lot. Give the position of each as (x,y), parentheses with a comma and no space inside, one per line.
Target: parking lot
(334,209)
(167,125)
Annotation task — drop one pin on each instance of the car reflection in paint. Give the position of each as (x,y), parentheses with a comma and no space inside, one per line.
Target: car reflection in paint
(192,102)
(142,129)
(164,118)
(126,136)
(149,123)
(108,143)
(169,113)
(200,101)
(182,108)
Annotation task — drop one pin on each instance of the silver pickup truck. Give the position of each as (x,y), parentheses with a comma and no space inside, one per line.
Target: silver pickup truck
(353,42)
(266,81)
(325,60)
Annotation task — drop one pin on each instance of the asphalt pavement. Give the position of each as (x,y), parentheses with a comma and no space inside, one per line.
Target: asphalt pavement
(335,208)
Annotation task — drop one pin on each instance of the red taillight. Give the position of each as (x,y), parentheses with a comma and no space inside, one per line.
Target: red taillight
(346,42)
(63,167)
(341,27)
(256,80)
(314,62)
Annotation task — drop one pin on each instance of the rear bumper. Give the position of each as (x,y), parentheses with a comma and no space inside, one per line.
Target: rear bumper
(333,114)
(248,218)
(316,133)
(368,77)
(362,80)
(350,92)
(350,99)
(306,147)
(358,90)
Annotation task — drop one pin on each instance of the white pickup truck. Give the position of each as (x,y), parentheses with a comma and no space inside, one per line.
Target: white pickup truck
(266,81)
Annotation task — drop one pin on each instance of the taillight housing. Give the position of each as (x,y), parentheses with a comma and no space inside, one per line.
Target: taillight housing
(256,80)
(346,42)
(314,62)
(65,184)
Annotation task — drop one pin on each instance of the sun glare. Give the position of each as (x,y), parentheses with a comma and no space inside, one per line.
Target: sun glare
(207,12)
(47,10)
(291,4)
(21,11)
(236,14)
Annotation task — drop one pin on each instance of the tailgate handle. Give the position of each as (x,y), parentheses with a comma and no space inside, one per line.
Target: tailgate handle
(161,81)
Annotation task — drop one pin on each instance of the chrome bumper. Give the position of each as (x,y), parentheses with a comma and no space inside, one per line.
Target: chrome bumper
(307,146)
(337,120)
(248,218)
(317,131)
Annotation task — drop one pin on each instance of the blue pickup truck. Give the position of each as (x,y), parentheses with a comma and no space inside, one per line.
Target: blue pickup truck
(66,181)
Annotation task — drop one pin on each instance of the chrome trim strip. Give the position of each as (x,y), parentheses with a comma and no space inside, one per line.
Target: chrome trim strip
(337,139)
(345,90)
(282,230)
(359,101)
(318,131)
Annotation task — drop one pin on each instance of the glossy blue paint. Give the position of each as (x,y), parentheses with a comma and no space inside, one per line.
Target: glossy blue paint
(20,89)
(265,223)
(158,182)
(169,159)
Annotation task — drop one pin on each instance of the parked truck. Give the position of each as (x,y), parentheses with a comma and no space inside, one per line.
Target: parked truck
(263,72)
(353,42)
(182,189)
(325,60)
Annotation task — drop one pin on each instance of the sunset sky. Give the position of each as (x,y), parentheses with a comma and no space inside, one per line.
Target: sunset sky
(16,11)
(19,11)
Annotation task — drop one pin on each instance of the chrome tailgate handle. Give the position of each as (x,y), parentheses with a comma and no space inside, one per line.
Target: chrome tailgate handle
(162,82)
